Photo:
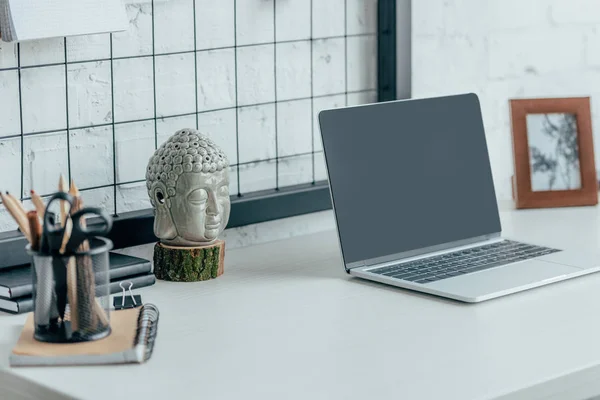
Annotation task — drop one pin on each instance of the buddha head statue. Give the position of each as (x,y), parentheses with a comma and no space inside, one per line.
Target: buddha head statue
(188,184)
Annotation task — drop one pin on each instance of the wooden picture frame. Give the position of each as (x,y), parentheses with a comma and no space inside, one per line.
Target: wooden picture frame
(553,152)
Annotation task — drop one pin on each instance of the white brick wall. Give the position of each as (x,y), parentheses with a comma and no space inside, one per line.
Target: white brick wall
(503,49)
(90,83)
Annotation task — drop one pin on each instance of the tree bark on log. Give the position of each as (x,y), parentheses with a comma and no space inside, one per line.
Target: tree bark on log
(189,264)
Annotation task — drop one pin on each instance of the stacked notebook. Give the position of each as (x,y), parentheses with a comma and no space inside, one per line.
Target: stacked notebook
(16,283)
(41,19)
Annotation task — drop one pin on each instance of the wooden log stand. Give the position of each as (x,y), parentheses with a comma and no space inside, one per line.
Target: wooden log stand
(189,264)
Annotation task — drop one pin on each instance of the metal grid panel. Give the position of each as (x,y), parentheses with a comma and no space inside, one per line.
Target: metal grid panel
(67,138)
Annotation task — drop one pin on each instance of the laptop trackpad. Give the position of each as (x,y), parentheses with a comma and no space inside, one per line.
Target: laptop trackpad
(503,278)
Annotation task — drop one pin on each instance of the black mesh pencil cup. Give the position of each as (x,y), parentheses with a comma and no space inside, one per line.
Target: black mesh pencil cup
(71,294)
(71,283)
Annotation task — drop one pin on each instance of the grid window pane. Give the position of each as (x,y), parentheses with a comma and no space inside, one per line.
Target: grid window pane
(10,164)
(255,22)
(166,127)
(216,79)
(292,20)
(92,156)
(90,94)
(220,127)
(88,47)
(233,181)
(214,24)
(8,55)
(361,16)
(362,63)
(46,51)
(44,159)
(328,18)
(134,89)
(328,67)
(133,139)
(9,110)
(44,99)
(175,92)
(137,40)
(255,80)
(293,70)
(295,170)
(174,26)
(257,176)
(11,182)
(256,127)
(293,127)
(132,196)
(100,197)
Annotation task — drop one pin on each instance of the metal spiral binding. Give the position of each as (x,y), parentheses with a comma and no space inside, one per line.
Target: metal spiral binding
(147,328)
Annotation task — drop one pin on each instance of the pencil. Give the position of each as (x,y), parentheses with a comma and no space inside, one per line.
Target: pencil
(64,205)
(73,189)
(38,203)
(18,215)
(75,206)
(65,222)
(18,203)
(35,228)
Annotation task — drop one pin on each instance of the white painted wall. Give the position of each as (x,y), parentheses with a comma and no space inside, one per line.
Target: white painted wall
(503,49)
(45,108)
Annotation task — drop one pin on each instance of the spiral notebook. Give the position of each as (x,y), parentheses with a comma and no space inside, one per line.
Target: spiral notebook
(131,341)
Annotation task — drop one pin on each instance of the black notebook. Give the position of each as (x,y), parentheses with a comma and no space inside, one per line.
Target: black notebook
(25,304)
(17,282)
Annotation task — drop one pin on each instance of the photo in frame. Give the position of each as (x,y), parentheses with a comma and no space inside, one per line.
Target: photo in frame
(553,152)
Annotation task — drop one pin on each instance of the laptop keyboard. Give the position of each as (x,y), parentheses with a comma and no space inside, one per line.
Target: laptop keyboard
(463,262)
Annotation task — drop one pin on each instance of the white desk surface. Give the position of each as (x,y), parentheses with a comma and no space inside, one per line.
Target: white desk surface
(286,322)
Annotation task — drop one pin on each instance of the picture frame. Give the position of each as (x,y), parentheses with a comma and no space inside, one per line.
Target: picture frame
(553,152)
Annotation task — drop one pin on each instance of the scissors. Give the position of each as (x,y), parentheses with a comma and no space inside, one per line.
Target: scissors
(53,235)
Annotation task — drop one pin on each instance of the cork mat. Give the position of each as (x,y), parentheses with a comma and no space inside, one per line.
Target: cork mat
(123,324)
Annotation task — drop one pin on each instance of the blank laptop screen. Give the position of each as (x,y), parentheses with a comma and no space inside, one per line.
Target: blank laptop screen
(410,174)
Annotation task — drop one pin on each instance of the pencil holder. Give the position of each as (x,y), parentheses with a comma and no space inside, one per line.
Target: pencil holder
(71,294)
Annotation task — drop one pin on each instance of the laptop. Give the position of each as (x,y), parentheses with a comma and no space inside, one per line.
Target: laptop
(415,205)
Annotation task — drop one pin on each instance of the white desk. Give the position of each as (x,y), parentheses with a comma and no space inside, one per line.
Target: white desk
(286,322)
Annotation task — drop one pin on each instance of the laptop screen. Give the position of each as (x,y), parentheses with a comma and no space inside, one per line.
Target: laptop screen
(406,175)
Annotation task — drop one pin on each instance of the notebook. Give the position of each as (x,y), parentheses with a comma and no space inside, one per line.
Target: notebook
(17,282)
(40,19)
(22,305)
(130,341)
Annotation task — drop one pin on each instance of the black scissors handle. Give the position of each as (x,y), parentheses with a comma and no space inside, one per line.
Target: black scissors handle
(53,233)
(81,232)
